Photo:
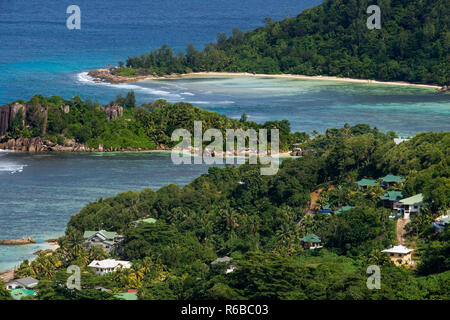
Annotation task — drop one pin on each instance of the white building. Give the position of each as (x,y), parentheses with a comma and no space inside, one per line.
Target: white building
(109,265)
(411,205)
(26,283)
(400,255)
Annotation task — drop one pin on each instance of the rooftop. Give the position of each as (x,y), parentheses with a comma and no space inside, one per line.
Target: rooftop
(27,282)
(392,179)
(417,199)
(311,238)
(392,196)
(107,235)
(109,263)
(398,249)
(366,182)
(223,259)
(444,219)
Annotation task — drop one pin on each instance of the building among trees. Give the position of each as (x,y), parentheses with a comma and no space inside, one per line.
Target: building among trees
(399,255)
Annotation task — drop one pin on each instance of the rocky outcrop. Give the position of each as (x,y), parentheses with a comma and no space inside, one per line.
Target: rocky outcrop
(107,75)
(112,111)
(444,89)
(7,115)
(38,144)
(18,241)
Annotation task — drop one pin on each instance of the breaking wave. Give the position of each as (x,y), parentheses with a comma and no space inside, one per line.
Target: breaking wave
(83,77)
(11,167)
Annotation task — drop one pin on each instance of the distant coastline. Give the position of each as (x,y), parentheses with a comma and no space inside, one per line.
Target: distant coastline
(105,75)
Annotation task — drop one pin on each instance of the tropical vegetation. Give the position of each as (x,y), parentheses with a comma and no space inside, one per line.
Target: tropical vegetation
(331,39)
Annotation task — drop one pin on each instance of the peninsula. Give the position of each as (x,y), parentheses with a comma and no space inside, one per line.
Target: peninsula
(327,42)
(55,124)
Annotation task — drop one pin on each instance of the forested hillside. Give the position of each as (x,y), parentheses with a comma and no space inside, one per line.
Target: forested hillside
(258,221)
(412,45)
(120,125)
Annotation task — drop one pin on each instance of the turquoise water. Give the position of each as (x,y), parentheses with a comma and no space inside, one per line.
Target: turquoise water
(39,55)
(310,104)
(39,193)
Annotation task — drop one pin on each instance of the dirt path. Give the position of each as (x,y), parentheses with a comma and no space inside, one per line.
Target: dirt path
(401,233)
(312,205)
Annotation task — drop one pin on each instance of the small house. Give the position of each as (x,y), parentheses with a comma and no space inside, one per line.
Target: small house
(390,180)
(105,239)
(109,265)
(325,209)
(399,255)
(411,205)
(365,183)
(296,150)
(226,260)
(25,283)
(311,241)
(441,222)
(391,199)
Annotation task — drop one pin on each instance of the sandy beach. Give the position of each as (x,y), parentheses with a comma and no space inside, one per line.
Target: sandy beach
(302,77)
(105,75)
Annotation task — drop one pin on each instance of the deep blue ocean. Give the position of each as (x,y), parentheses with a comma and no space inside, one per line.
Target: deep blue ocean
(39,55)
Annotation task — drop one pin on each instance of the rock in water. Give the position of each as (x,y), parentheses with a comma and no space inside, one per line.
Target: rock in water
(18,241)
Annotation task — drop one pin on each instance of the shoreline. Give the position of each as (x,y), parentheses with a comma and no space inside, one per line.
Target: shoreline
(280,154)
(105,75)
(8,274)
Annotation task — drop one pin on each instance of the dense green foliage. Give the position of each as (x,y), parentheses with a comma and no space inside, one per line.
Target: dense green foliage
(4,294)
(412,45)
(148,126)
(259,220)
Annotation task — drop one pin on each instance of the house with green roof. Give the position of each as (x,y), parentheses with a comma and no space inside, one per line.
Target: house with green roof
(105,239)
(146,220)
(127,296)
(365,183)
(311,241)
(411,205)
(440,223)
(343,209)
(391,199)
(389,180)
